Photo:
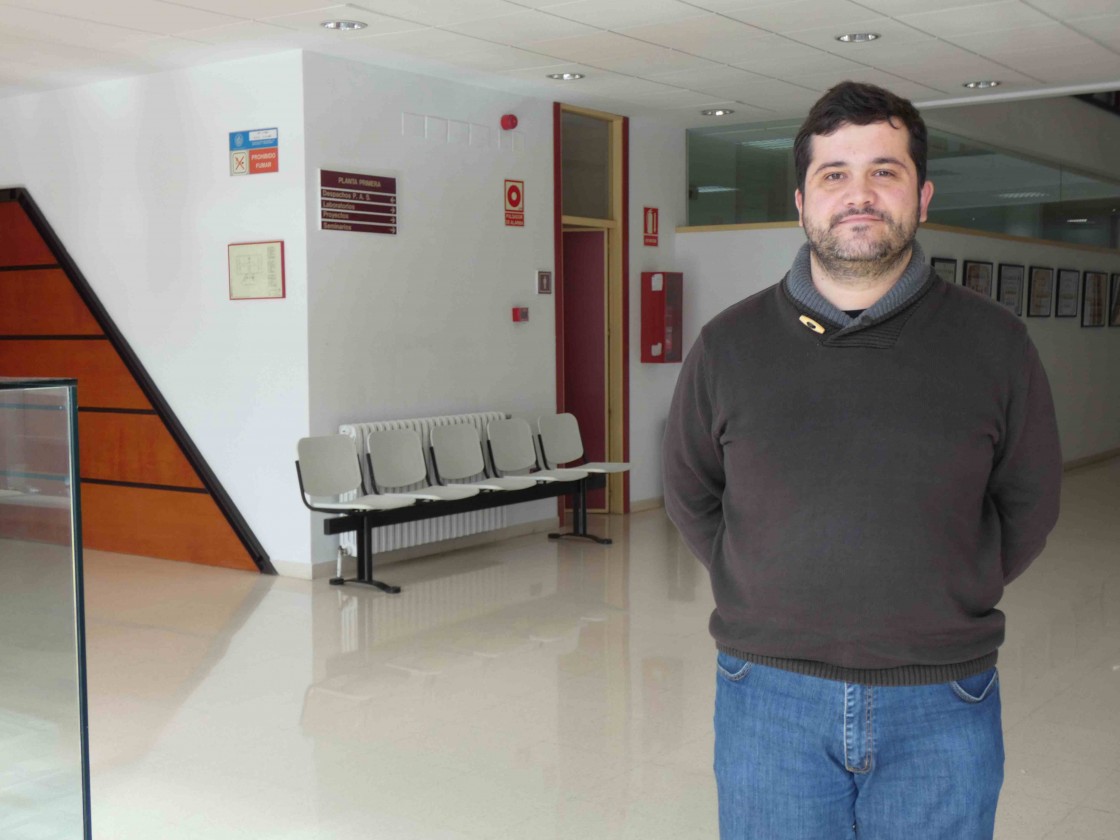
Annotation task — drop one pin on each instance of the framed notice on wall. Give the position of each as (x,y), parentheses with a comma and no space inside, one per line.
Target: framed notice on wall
(978,277)
(1010,292)
(1094,299)
(1069,280)
(256,270)
(1040,297)
(1114,302)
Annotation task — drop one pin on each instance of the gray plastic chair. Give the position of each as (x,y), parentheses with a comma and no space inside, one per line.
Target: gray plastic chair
(396,460)
(512,451)
(457,456)
(327,466)
(561,443)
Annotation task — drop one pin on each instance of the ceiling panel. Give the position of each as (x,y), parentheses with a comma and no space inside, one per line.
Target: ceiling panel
(524,27)
(821,82)
(251,31)
(712,36)
(169,52)
(1051,36)
(26,23)
(1105,29)
(701,78)
(619,14)
(145,15)
(795,14)
(1074,9)
(245,8)
(498,58)
(437,43)
(774,55)
(896,8)
(991,17)
(439,12)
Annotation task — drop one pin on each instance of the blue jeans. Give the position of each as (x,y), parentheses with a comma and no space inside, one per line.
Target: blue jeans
(803,758)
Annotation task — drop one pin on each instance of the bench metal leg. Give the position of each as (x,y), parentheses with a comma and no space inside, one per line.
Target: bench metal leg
(579,520)
(365,565)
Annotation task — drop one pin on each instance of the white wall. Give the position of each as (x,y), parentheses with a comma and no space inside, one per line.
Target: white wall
(420,323)
(657,179)
(1081,362)
(134,177)
(723,267)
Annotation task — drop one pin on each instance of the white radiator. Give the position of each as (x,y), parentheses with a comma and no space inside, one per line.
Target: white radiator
(422,531)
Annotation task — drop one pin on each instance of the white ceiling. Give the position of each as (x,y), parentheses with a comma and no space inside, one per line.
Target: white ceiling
(662,58)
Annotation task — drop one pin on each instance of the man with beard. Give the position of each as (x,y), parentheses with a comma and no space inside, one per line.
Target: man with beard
(863,456)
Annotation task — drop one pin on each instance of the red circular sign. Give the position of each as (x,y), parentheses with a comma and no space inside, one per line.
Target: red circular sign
(513,196)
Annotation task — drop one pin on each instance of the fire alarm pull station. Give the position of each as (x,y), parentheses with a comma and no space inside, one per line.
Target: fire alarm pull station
(520,314)
(661,316)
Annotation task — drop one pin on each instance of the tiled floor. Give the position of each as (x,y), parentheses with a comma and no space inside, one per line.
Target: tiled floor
(528,691)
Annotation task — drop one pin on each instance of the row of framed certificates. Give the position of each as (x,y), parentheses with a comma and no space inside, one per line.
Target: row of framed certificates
(1062,292)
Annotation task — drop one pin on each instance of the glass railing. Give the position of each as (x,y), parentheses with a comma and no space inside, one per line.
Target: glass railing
(745,174)
(44,752)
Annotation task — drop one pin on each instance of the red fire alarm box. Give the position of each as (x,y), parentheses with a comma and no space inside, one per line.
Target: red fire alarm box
(661,316)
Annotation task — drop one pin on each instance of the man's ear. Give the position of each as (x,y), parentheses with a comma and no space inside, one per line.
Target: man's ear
(799,201)
(925,195)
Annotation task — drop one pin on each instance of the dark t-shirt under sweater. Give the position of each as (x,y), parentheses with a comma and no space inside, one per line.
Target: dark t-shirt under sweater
(861,497)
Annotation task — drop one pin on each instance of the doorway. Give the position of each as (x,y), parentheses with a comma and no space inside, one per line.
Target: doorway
(585,345)
(592,300)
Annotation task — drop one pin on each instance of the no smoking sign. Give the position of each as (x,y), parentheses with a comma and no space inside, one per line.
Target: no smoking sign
(515,204)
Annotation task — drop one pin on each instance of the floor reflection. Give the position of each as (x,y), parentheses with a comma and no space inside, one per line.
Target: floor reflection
(525,690)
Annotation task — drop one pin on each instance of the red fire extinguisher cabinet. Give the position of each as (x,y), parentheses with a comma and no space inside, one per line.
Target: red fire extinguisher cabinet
(661,316)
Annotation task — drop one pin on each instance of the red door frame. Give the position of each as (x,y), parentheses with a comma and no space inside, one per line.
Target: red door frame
(558,286)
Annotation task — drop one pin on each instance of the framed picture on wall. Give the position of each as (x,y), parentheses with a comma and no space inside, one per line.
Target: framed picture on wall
(1040,293)
(978,277)
(1114,302)
(1094,299)
(945,268)
(1069,291)
(1011,287)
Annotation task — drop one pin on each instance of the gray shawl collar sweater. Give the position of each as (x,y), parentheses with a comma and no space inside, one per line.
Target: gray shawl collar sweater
(861,497)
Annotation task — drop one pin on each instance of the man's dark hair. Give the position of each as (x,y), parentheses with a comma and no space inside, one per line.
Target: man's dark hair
(855,103)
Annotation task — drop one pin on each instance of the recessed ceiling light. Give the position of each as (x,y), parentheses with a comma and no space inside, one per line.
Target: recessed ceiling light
(344,25)
(565,77)
(982,85)
(1077,221)
(716,189)
(859,37)
(717,112)
(1023,195)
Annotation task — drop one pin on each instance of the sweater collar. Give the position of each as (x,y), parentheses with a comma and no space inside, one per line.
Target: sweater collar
(799,284)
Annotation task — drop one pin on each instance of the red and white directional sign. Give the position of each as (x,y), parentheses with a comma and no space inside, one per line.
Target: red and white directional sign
(649,226)
(515,204)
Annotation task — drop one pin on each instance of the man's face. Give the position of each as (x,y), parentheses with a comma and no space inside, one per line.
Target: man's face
(861,206)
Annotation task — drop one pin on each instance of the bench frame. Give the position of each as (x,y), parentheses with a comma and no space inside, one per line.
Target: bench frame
(364,521)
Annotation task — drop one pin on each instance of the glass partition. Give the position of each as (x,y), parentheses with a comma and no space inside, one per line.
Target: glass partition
(44,759)
(585,143)
(744,174)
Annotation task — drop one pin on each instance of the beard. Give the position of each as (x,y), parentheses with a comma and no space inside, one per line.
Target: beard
(861,255)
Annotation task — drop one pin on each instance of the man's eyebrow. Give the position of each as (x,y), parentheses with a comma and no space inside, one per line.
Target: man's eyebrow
(879,161)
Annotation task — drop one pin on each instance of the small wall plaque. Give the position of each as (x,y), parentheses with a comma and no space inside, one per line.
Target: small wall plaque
(256,270)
